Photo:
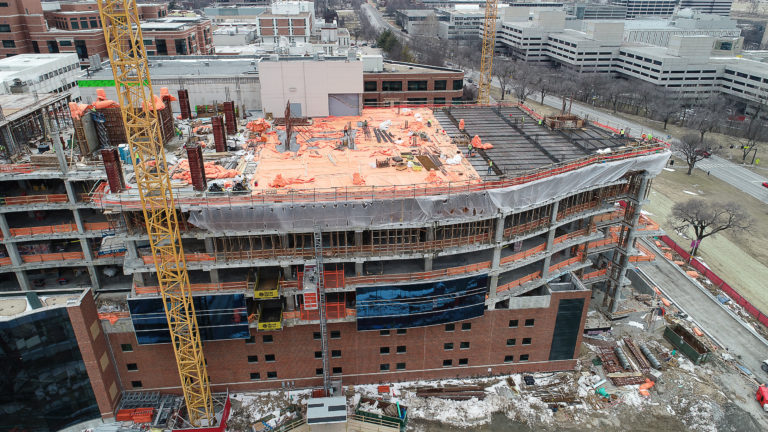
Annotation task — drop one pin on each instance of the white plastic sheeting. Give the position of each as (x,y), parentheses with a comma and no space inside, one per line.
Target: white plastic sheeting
(444,208)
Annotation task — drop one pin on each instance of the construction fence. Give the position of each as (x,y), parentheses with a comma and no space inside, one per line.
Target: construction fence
(715,279)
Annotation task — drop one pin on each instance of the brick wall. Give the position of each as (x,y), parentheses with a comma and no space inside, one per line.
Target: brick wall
(93,347)
(360,353)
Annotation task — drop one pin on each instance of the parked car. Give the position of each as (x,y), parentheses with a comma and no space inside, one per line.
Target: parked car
(765,184)
(704,153)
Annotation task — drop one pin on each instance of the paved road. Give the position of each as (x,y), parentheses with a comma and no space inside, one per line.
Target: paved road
(378,21)
(725,170)
(709,315)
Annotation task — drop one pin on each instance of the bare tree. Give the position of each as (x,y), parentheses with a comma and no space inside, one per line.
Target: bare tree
(665,103)
(612,90)
(708,114)
(708,218)
(755,133)
(693,149)
(523,79)
(543,82)
(503,69)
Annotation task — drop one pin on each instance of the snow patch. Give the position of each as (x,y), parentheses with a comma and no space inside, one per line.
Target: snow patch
(636,324)
(690,193)
(669,169)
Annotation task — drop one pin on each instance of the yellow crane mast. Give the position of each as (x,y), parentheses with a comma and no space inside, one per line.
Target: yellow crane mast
(486,60)
(128,59)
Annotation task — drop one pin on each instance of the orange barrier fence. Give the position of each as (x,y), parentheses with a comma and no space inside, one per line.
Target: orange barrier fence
(61,256)
(332,311)
(196,288)
(523,254)
(526,227)
(565,263)
(516,283)
(372,279)
(34,199)
(112,317)
(605,217)
(354,193)
(49,229)
(16,168)
(98,226)
(577,209)
(5,261)
(594,274)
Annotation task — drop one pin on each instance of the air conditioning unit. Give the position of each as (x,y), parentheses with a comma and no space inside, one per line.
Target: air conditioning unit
(19,86)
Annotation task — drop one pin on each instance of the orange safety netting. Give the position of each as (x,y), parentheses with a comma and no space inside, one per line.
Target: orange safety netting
(204,129)
(280,181)
(157,104)
(357,179)
(212,171)
(102,101)
(432,177)
(461,124)
(164,93)
(476,143)
(258,125)
(77,110)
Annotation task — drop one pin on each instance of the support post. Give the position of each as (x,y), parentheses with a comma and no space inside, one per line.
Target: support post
(550,240)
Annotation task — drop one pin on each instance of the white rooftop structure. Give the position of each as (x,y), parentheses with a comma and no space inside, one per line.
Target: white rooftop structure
(327,410)
(42,73)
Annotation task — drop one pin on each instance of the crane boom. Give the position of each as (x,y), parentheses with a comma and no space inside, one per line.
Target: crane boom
(128,59)
(486,59)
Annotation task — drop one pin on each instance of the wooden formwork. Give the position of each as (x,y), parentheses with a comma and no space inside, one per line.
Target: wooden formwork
(567,121)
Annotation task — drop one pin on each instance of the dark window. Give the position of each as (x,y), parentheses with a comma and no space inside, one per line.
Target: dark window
(441,84)
(524,357)
(458,84)
(370,86)
(466,326)
(126,347)
(336,334)
(526,341)
(402,331)
(417,85)
(439,101)
(463,362)
(94,23)
(336,353)
(272,374)
(316,336)
(318,354)
(512,323)
(255,375)
(35,47)
(457,100)
(269,357)
(319,371)
(370,102)
(464,345)
(384,350)
(3,4)
(9,44)
(251,340)
(448,346)
(529,322)
(417,100)
(132,367)
(253,359)
(181,46)
(509,358)
(400,366)
(136,384)
(267,339)
(391,86)
(447,362)
(336,370)
(74,25)
(450,327)
(162,47)
(82,49)
(149,42)
(383,332)
(65,43)
(84,23)
(401,349)
(511,342)
(384,367)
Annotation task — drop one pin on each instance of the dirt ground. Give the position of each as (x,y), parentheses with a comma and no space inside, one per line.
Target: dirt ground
(740,259)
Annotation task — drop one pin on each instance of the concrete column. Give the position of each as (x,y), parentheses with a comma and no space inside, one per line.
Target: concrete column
(208,242)
(4,228)
(286,271)
(430,233)
(92,272)
(21,277)
(358,238)
(358,269)
(428,263)
(550,240)
(493,283)
(499,234)
(87,252)
(57,148)
(131,251)
(284,240)
(70,192)
(78,221)
(13,252)
(290,303)
(618,285)
(214,276)
(496,259)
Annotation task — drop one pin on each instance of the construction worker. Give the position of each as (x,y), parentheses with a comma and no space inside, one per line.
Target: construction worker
(469,149)
(621,133)
(522,120)
(540,121)
(490,167)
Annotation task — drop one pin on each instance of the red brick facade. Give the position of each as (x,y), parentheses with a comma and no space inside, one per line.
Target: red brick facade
(359,355)
(96,357)
(381,95)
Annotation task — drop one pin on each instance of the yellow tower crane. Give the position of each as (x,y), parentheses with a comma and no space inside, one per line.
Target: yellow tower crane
(486,60)
(128,59)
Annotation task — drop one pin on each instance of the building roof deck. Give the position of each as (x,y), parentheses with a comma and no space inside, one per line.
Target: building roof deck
(318,169)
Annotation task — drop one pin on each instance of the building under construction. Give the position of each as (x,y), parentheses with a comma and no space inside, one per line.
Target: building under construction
(449,242)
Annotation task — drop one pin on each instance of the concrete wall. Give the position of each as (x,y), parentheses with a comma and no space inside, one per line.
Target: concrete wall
(307,83)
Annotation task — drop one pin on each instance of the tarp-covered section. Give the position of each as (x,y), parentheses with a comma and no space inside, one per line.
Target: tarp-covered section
(219,317)
(455,207)
(422,304)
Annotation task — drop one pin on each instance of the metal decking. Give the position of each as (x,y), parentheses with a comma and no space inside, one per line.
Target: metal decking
(519,142)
